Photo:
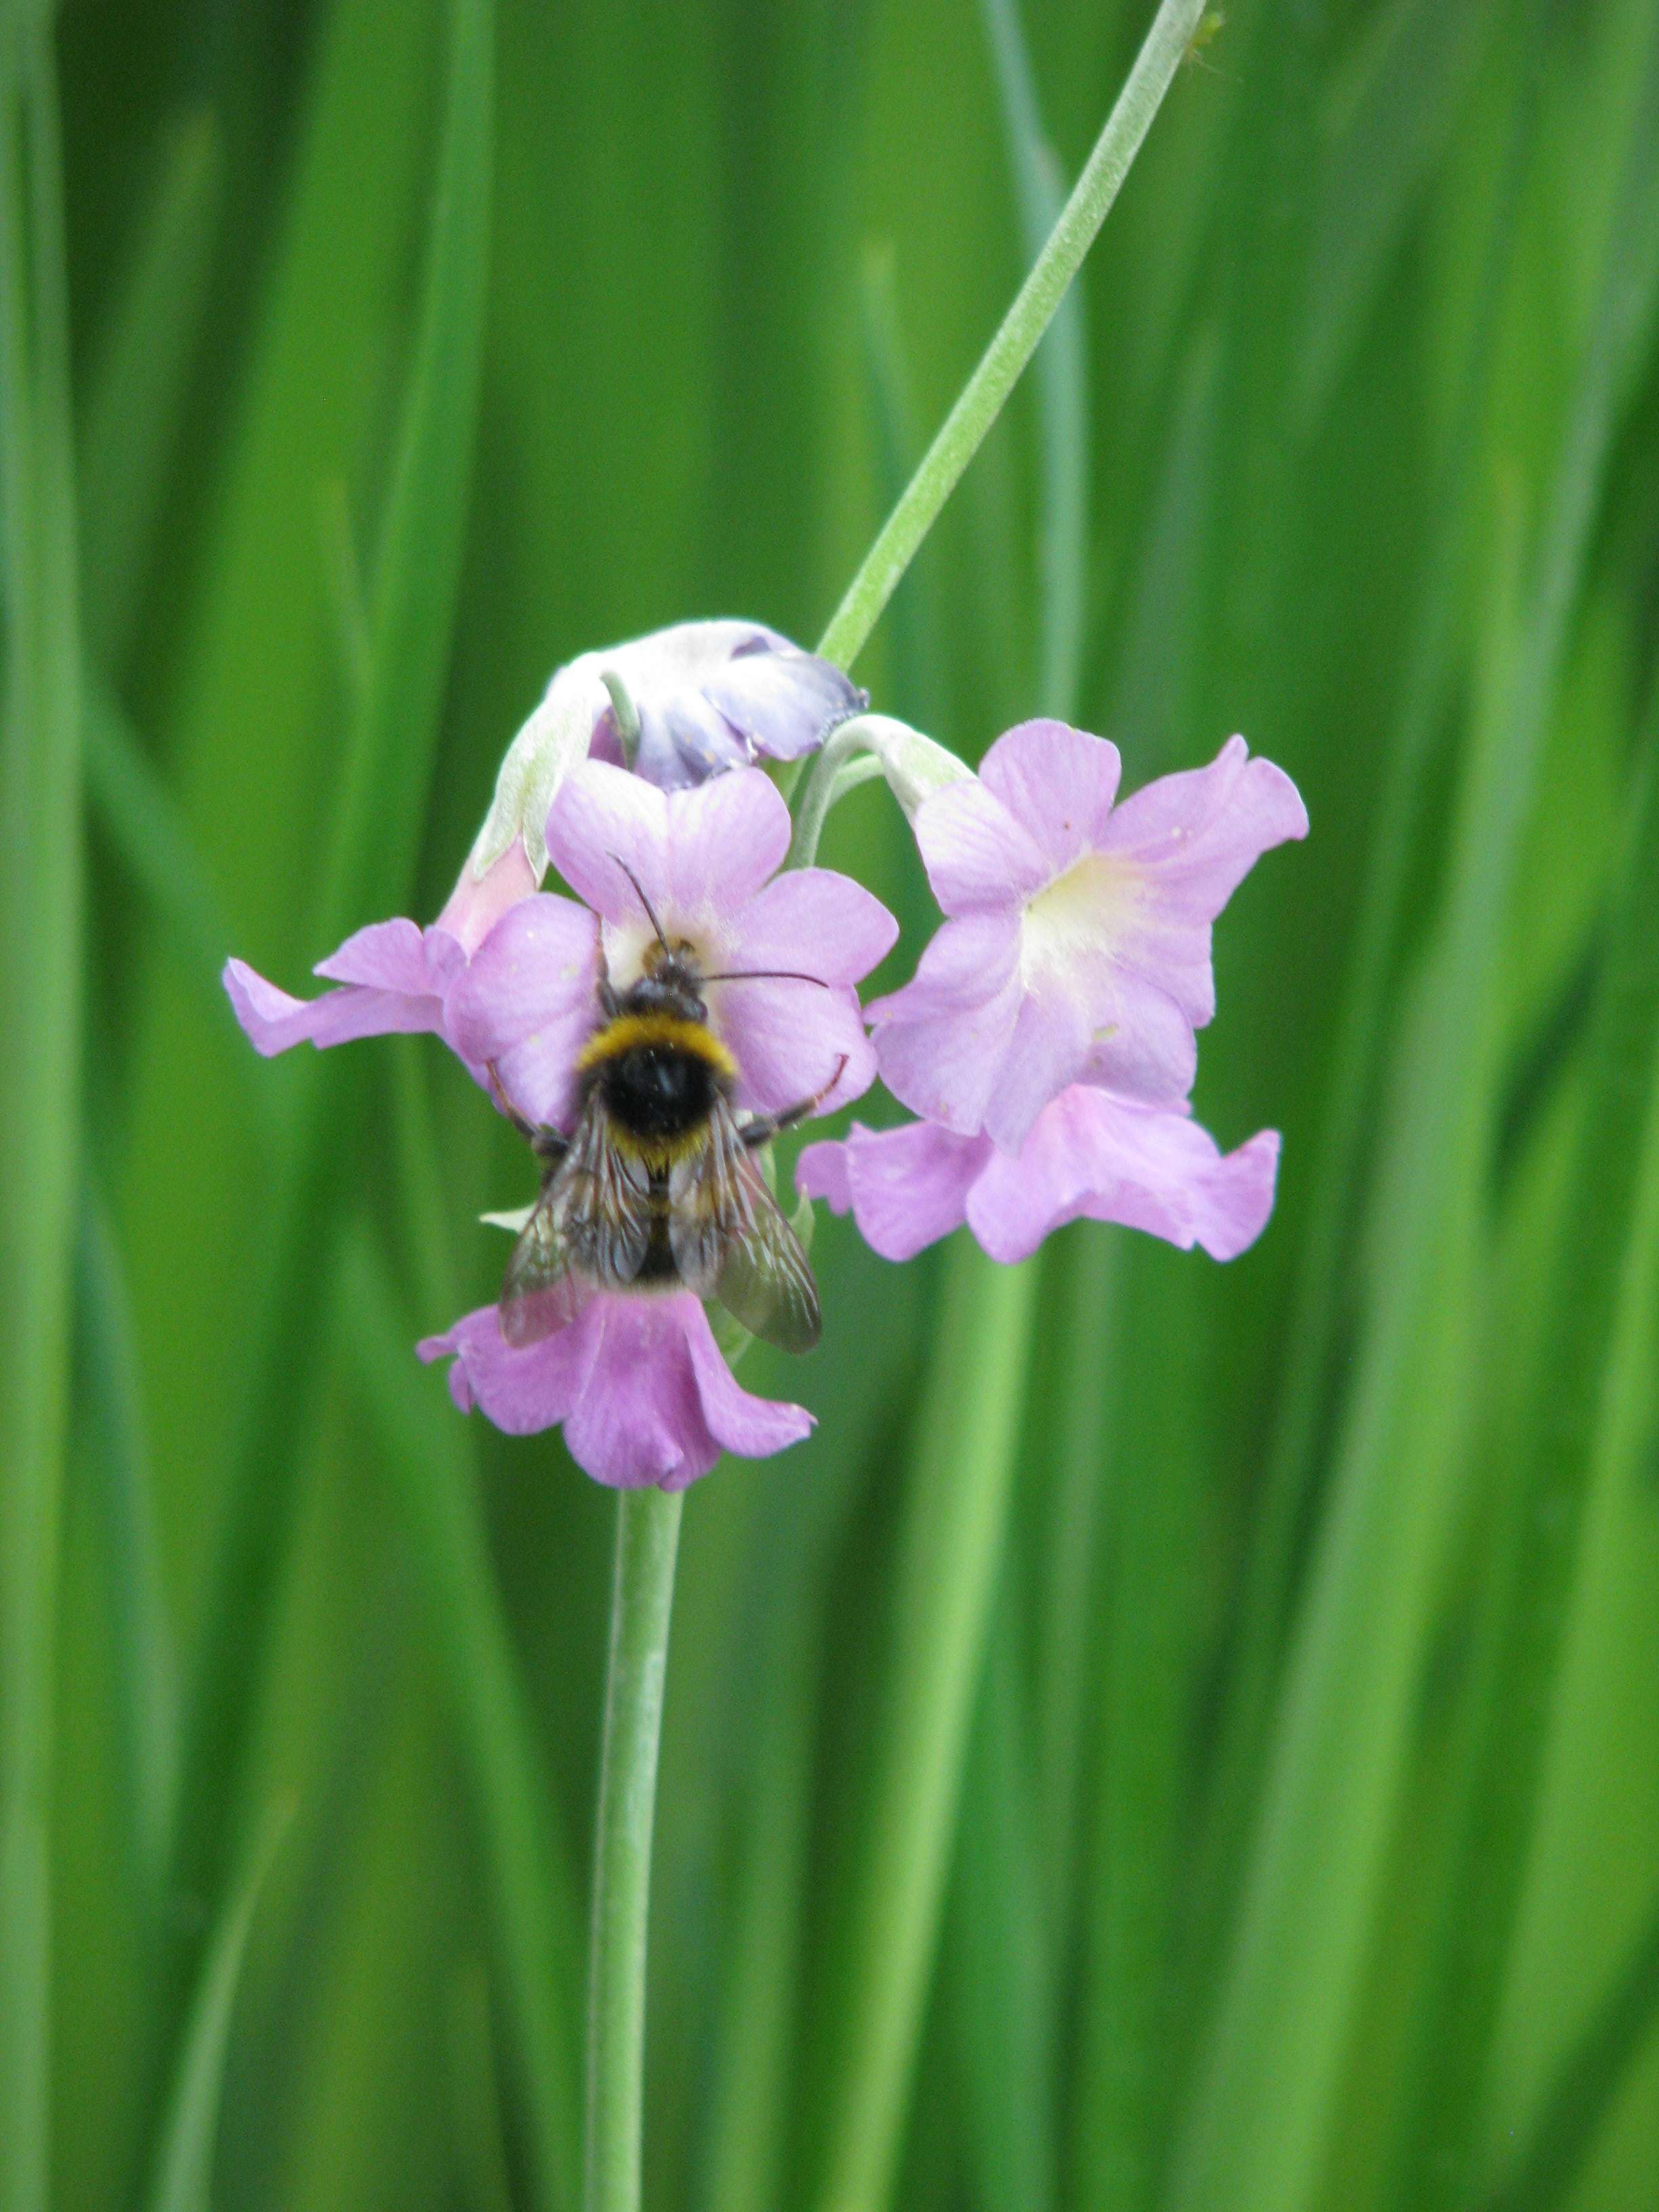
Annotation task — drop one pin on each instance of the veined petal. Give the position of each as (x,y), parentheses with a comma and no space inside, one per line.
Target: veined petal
(941,1042)
(905,1188)
(1049,1049)
(637,1379)
(273,1021)
(522,1388)
(1094,1157)
(1057,783)
(394,956)
(528,1002)
(738,1421)
(786,1038)
(816,922)
(639,1419)
(1190,839)
(602,816)
(979,860)
(724,839)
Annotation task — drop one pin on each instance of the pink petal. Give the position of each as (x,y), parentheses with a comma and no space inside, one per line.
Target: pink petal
(1193,838)
(1057,783)
(941,1041)
(637,1380)
(601,816)
(393,956)
(1094,1157)
(273,1021)
(906,1188)
(477,902)
(978,858)
(752,1427)
(522,1388)
(817,923)
(529,1002)
(786,1038)
(1049,1049)
(1144,1045)
(726,838)
(640,1418)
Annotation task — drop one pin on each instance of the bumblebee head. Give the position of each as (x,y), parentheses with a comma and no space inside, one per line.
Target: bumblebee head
(670,983)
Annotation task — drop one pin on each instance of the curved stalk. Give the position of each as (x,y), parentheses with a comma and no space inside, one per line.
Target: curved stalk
(1004,361)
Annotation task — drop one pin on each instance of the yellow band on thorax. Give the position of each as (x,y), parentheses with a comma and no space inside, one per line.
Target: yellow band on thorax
(628,1030)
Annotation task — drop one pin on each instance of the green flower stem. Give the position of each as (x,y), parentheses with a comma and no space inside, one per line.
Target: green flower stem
(1018,337)
(839,765)
(642,1595)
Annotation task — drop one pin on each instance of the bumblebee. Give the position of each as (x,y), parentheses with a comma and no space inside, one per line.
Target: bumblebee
(658,1182)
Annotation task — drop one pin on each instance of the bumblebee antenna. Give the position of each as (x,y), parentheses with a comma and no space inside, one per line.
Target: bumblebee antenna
(765,976)
(639,892)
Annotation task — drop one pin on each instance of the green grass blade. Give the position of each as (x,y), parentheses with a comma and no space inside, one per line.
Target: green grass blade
(1600,1352)
(1151,1649)
(535,1919)
(140,382)
(1002,1963)
(1060,376)
(184,2172)
(955,1515)
(1546,2171)
(140,821)
(40,892)
(114,1463)
(1261,2117)
(1393,115)
(1320,1300)
(375,830)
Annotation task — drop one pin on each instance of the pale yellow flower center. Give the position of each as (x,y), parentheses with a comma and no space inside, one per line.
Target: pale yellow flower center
(1087,910)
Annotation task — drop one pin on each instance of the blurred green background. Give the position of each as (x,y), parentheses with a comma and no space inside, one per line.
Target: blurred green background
(1178,1737)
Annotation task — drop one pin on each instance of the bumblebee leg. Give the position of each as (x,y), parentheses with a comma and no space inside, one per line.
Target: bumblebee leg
(546,1144)
(761,1130)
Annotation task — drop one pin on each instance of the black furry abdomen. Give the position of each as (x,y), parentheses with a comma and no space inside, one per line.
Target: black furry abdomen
(658,1091)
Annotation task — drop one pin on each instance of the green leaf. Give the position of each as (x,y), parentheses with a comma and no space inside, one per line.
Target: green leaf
(139,387)
(114,1462)
(535,1919)
(376,826)
(40,918)
(955,1515)
(1261,2116)
(1588,1417)
(184,2171)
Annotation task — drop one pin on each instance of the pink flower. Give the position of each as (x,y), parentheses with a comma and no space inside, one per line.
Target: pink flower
(638,1382)
(707,696)
(706,859)
(1077,942)
(394,975)
(1088,1156)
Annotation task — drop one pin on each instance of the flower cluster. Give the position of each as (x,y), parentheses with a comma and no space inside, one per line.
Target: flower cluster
(694,993)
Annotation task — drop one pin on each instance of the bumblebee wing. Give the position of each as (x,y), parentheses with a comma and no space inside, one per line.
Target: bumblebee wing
(602,1192)
(731,1241)
(540,1293)
(590,1229)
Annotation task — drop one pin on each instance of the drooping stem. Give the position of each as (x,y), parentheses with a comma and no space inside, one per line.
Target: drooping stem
(642,1594)
(1018,335)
